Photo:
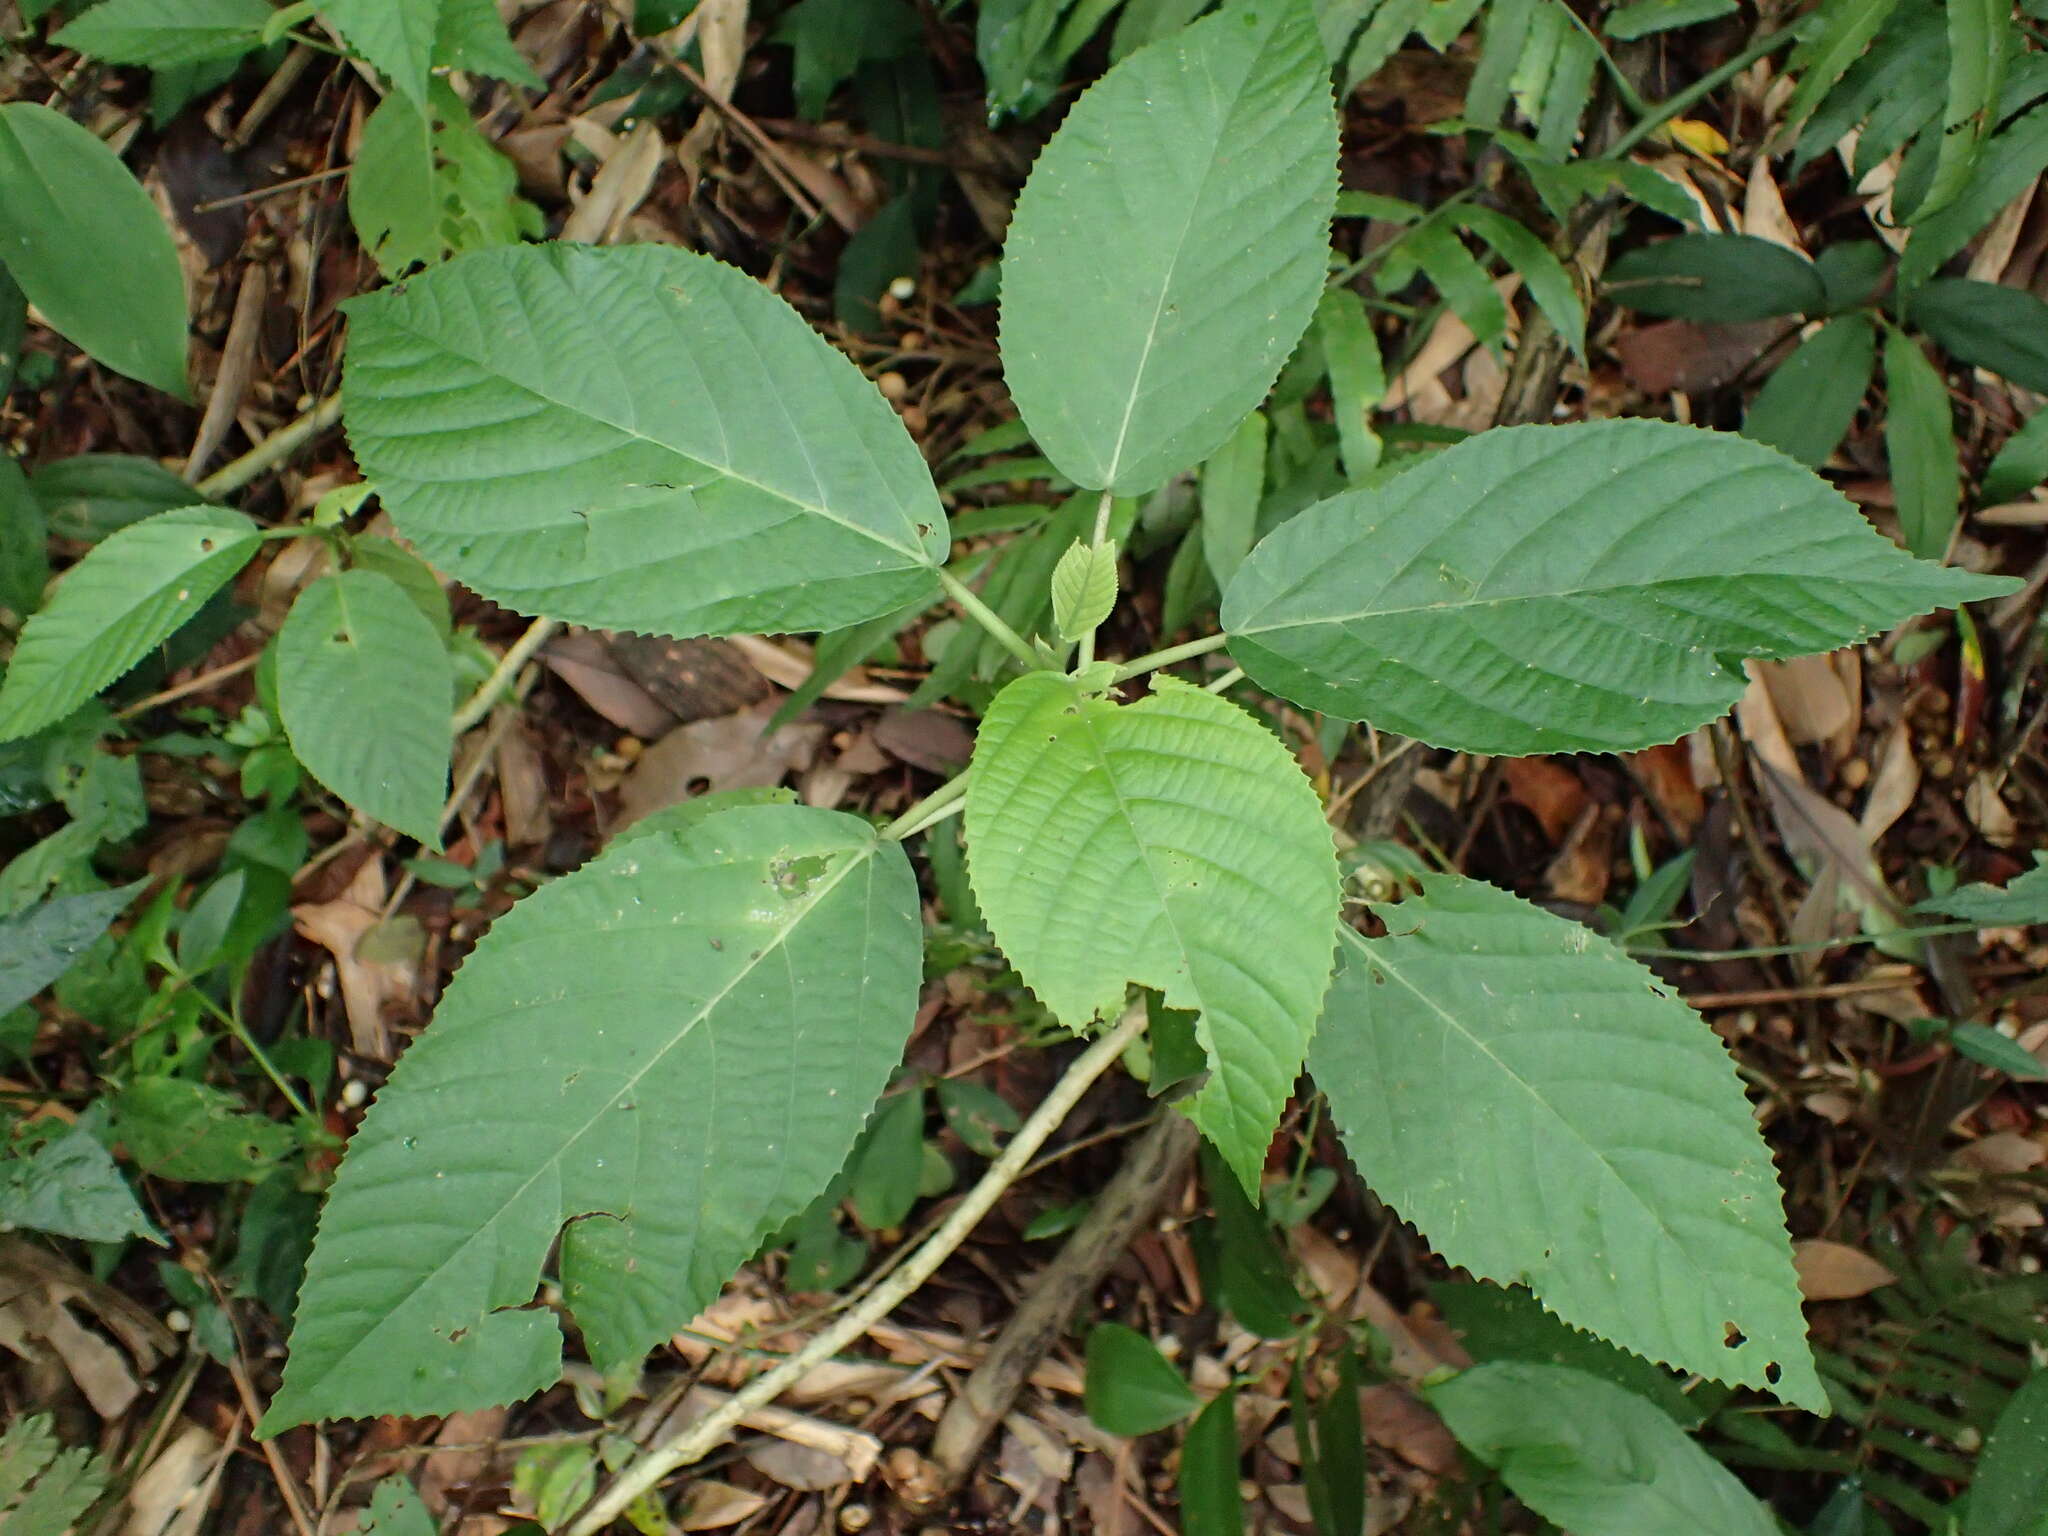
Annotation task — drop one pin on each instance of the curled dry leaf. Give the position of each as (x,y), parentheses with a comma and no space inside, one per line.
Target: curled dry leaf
(1830,1271)
(1398,1420)
(712,1506)
(368,985)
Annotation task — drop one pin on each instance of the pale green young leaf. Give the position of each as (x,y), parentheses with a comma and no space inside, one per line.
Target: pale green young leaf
(1083,588)
(65,1486)
(394,37)
(2011,163)
(1358,378)
(636,438)
(166,34)
(395,1510)
(1919,441)
(671,1050)
(1233,482)
(1531,1099)
(365,689)
(88,248)
(1173,843)
(426,184)
(1179,221)
(129,593)
(1588,1455)
(1387,27)
(1810,399)
(1564,589)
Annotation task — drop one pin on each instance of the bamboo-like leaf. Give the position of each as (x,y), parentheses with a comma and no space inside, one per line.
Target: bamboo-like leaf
(1919,440)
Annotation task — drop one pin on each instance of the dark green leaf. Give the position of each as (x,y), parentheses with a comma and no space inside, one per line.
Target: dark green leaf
(2012,162)
(1850,271)
(2010,1494)
(2024,901)
(1845,29)
(1919,440)
(1724,279)
(24,541)
(1584,1454)
(1131,1387)
(1542,273)
(91,495)
(887,1164)
(1979,33)
(833,38)
(69,1187)
(881,251)
(980,1117)
(1987,1047)
(2003,329)
(1251,1269)
(88,247)
(1647,16)
(2021,464)
(1211,1502)
(1811,399)
(166,34)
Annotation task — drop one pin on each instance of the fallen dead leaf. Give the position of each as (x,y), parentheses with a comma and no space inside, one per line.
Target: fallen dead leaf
(730,752)
(1399,1421)
(580,659)
(1830,1271)
(2003,1152)
(368,985)
(1548,790)
(711,1506)
(1811,701)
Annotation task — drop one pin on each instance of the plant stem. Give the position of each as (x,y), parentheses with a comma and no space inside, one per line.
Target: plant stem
(241,1032)
(1676,103)
(656,1462)
(538,633)
(932,808)
(1154,660)
(273,450)
(1085,656)
(989,620)
(1227,681)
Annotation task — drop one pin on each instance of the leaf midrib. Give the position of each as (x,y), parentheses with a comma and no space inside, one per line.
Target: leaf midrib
(634,434)
(1379,960)
(774,946)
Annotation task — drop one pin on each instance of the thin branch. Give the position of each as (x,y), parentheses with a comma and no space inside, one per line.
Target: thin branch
(1153,661)
(538,633)
(273,450)
(705,1434)
(989,620)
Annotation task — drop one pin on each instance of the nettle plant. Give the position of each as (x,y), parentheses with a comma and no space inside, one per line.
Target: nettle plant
(651,1065)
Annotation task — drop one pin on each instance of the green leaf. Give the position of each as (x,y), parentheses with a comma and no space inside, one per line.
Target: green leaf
(1723,279)
(126,596)
(884,1173)
(1173,843)
(394,37)
(636,438)
(1644,17)
(1824,56)
(1179,220)
(1233,482)
(365,690)
(671,1050)
(71,1188)
(471,36)
(24,543)
(165,34)
(13,326)
(2003,329)
(1563,589)
(179,1129)
(1358,379)
(1250,1274)
(66,1482)
(1500,1323)
(41,944)
(2010,1493)
(389,558)
(1979,33)
(1531,1099)
(980,1117)
(1988,1048)
(1543,274)
(1585,1454)
(2021,464)
(1211,1501)
(426,184)
(1083,588)
(833,38)
(91,495)
(88,248)
(1919,440)
(1810,401)
(1131,1388)
(2011,163)
(2022,902)
(396,1510)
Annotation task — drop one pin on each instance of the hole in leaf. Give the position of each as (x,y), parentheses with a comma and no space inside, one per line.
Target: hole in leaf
(1772,1373)
(1732,1337)
(206,546)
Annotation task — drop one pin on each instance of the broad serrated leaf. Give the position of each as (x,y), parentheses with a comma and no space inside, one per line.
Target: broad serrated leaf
(670,1050)
(1920,445)
(71,1188)
(88,247)
(130,592)
(1173,843)
(39,945)
(636,438)
(1531,1099)
(1083,588)
(428,183)
(1590,1456)
(1179,221)
(471,35)
(1721,279)
(365,689)
(1565,589)
(166,34)
(1810,399)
